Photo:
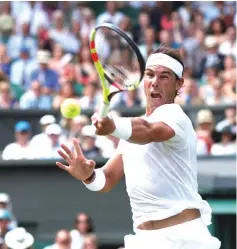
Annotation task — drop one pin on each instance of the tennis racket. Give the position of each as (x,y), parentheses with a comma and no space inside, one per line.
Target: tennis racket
(117,60)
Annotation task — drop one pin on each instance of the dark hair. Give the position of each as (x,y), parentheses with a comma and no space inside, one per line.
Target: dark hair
(90,222)
(222,24)
(174,53)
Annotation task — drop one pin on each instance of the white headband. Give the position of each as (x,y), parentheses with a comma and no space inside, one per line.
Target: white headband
(166,61)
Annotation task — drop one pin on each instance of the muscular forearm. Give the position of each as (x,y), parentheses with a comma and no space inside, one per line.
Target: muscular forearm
(141,131)
(144,132)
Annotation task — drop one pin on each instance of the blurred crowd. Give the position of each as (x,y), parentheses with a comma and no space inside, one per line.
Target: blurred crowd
(46,144)
(213,138)
(45,58)
(81,236)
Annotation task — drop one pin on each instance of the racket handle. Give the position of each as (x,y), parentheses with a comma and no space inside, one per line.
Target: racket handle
(104,110)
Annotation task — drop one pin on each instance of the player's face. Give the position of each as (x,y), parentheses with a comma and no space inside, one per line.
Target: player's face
(161,85)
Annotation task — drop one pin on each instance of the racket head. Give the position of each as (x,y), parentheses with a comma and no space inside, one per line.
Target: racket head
(117,59)
(114,49)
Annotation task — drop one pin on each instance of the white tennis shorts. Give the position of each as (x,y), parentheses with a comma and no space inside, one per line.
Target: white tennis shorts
(189,235)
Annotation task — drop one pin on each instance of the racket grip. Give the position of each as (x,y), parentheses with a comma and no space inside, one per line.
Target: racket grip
(104,110)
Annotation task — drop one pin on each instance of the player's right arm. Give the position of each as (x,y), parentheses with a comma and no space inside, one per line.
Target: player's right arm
(83,169)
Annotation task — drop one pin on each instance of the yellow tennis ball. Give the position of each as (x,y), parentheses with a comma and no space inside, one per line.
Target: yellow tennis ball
(70,108)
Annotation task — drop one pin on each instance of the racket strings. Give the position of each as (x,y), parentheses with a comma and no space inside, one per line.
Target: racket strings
(117,57)
(117,71)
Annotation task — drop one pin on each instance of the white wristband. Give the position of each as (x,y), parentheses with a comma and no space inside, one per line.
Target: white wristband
(123,128)
(99,181)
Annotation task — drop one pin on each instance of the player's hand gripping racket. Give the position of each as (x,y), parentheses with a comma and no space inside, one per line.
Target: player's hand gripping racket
(118,62)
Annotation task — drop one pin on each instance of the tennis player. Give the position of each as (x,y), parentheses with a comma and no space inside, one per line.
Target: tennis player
(157,155)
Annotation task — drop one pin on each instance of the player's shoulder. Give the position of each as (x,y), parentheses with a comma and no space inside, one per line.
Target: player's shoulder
(169,108)
(173,111)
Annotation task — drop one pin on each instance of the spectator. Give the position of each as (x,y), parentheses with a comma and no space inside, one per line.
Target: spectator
(229,88)
(185,12)
(5,61)
(63,240)
(91,96)
(21,69)
(65,124)
(88,22)
(83,227)
(229,68)
(88,142)
(226,146)
(21,148)
(44,42)
(6,26)
(3,77)
(5,218)
(126,25)
(166,37)
(212,57)
(33,13)
(7,101)
(141,5)
(229,121)
(111,15)
(61,35)
(178,28)
(60,62)
(139,30)
(90,242)
(35,98)
(46,76)
(77,13)
(198,52)
(67,69)
(67,9)
(212,94)
(166,22)
(75,28)
(230,10)
(42,139)
(76,126)
(49,150)
(211,73)
(19,238)
(66,91)
(85,71)
(54,62)
(217,30)
(22,40)
(210,10)
(195,50)
(149,44)
(128,99)
(5,203)
(189,94)
(205,126)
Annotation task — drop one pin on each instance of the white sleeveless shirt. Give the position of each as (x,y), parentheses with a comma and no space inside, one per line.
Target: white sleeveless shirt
(161,177)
